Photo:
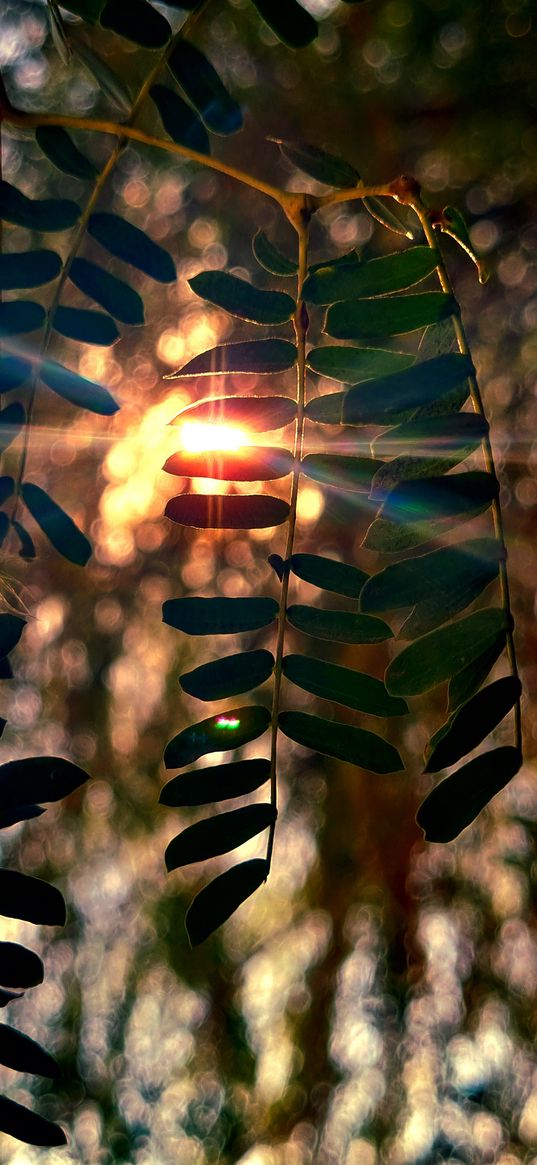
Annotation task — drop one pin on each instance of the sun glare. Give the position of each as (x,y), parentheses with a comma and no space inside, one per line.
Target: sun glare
(197,437)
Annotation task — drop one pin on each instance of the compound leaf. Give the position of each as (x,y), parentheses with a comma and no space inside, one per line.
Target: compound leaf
(434,577)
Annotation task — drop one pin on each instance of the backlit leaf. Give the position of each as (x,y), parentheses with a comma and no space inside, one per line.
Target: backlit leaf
(227,511)
(382,213)
(271,258)
(60,149)
(456,802)
(20,316)
(390,316)
(37,214)
(393,537)
(450,574)
(220,782)
(353,473)
(435,498)
(453,223)
(11,629)
(19,967)
(250,356)
(466,682)
(221,898)
(28,269)
(325,409)
(228,730)
(256,413)
(132,245)
(250,463)
(242,299)
(31,899)
(334,282)
(90,327)
(340,626)
(117,298)
(110,85)
(344,741)
(328,574)
(319,164)
(59,528)
(14,372)
(228,676)
(355,364)
(386,400)
(86,394)
(180,121)
(434,444)
(471,723)
(18,1051)
(217,835)
(351,688)
(137,21)
(444,652)
(28,1126)
(204,89)
(38,778)
(218,616)
(291,23)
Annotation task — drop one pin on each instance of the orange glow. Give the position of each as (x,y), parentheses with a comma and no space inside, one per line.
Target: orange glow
(198,437)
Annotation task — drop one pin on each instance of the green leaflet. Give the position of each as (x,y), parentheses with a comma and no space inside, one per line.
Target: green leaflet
(20,316)
(251,463)
(271,258)
(137,21)
(291,23)
(13,372)
(110,85)
(38,778)
(433,577)
(241,299)
(11,629)
(12,421)
(228,676)
(28,269)
(132,245)
(90,327)
(340,626)
(32,900)
(37,214)
(227,511)
(86,394)
(351,688)
(28,1126)
(259,414)
(204,89)
(352,473)
(444,652)
(117,298)
(389,399)
(328,574)
(325,409)
(19,1052)
(439,444)
(318,164)
(217,835)
(471,723)
(354,364)
(433,612)
(60,149)
(344,741)
(180,121)
(218,616)
(228,730)
(389,537)
(221,782)
(331,283)
(435,498)
(221,898)
(456,802)
(466,682)
(250,356)
(349,261)
(391,316)
(58,527)
(381,211)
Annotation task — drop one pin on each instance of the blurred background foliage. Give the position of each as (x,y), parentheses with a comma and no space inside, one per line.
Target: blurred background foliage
(376,1000)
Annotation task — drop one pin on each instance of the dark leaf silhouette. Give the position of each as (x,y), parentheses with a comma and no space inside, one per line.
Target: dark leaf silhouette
(217,835)
(12,420)
(353,473)
(250,463)
(250,356)
(11,629)
(329,574)
(19,967)
(31,899)
(221,898)
(257,413)
(351,688)
(464,683)
(340,626)
(225,512)
(138,22)
(241,299)
(28,1126)
(434,578)
(19,813)
(20,316)
(388,399)
(471,723)
(343,741)
(319,164)
(90,327)
(38,778)
(24,1055)
(132,245)
(291,23)
(445,652)
(456,801)
(179,120)
(228,676)
(59,528)
(204,89)
(28,269)
(117,298)
(60,149)
(37,214)
(220,782)
(230,729)
(86,394)
(271,258)
(218,616)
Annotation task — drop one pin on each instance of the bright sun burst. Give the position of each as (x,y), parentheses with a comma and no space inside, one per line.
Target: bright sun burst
(198,437)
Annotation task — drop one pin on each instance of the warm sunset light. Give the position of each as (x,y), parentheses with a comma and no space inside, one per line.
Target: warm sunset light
(199,437)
